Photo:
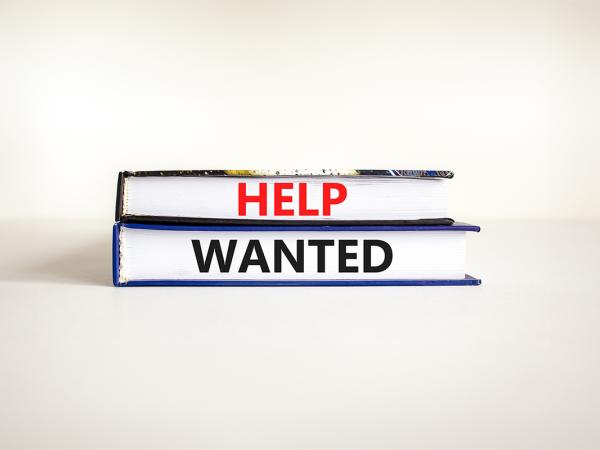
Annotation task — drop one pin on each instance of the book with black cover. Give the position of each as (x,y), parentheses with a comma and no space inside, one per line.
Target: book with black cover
(284,197)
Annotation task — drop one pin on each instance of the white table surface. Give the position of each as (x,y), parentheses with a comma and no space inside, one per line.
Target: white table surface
(514,363)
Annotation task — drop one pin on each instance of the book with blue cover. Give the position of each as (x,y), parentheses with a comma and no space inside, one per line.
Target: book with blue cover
(162,255)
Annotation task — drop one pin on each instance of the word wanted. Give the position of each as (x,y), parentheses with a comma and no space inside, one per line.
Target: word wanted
(254,255)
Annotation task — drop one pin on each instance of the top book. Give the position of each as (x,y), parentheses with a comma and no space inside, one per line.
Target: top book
(284,197)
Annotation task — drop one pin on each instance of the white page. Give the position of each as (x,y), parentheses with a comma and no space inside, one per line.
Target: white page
(217,197)
(167,254)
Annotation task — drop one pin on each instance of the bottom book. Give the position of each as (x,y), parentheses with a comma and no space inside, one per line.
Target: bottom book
(165,255)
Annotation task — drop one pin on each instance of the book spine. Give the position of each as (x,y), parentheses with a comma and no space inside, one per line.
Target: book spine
(120,193)
(116,253)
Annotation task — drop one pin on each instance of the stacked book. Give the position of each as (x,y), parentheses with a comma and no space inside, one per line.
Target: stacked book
(287,228)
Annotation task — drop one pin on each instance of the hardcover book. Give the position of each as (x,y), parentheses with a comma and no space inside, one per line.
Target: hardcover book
(284,197)
(155,254)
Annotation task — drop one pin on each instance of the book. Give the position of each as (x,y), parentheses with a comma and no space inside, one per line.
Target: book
(216,255)
(283,197)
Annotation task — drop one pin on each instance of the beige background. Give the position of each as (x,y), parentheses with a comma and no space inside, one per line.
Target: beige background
(504,93)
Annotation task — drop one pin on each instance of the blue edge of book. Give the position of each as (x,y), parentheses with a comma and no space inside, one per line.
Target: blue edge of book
(468,280)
